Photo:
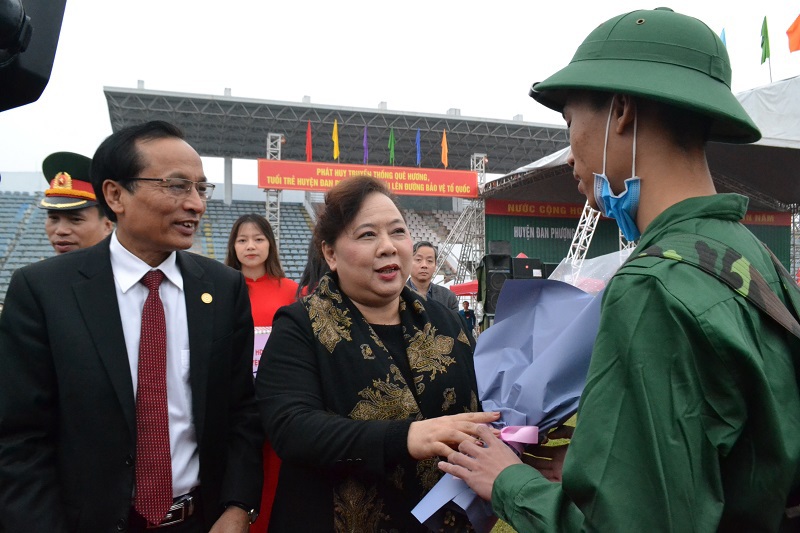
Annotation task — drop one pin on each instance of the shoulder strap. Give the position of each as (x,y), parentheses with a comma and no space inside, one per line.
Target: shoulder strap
(730,267)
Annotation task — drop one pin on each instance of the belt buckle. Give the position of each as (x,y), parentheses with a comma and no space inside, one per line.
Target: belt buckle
(180,511)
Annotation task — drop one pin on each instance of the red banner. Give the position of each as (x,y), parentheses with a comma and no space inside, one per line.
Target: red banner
(767,218)
(406,181)
(533,209)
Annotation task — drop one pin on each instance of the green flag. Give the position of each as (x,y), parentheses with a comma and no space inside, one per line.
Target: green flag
(391,146)
(764,41)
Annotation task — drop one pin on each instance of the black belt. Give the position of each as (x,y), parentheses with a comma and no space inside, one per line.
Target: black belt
(182,508)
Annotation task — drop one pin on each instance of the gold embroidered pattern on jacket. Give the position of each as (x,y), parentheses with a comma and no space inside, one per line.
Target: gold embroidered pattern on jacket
(463,337)
(428,473)
(330,324)
(449,398)
(428,352)
(473,403)
(374,336)
(385,400)
(419,384)
(418,308)
(356,508)
(366,352)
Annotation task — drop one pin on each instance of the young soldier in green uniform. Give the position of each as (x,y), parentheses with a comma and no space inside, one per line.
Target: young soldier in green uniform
(74,220)
(690,419)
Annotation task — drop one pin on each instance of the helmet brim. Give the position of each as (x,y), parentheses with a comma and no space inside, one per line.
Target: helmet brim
(662,82)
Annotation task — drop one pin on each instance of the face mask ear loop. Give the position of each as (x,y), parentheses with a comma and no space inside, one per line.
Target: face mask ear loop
(605,143)
(635,123)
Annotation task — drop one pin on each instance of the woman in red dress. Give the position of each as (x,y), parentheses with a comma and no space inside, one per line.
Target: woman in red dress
(252,249)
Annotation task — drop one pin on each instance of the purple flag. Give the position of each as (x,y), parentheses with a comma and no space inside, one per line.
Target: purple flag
(419,149)
(366,147)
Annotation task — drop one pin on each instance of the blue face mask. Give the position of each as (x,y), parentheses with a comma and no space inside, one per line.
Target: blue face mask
(623,206)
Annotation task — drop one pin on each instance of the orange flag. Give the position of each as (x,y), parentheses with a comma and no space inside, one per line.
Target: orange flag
(444,148)
(335,138)
(794,35)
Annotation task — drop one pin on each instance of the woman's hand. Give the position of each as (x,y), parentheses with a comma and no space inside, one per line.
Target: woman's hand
(440,436)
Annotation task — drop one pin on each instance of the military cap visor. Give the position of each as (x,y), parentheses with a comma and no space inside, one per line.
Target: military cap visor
(69,188)
(657,55)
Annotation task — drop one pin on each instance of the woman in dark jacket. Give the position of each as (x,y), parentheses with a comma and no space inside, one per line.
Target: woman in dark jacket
(363,384)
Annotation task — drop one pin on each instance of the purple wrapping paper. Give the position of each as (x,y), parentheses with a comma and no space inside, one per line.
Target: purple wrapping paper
(531,365)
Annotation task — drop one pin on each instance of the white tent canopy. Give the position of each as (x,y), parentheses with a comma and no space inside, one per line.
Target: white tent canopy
(775,109)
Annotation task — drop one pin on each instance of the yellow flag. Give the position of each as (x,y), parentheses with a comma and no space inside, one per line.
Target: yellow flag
(444,148)
(335,138)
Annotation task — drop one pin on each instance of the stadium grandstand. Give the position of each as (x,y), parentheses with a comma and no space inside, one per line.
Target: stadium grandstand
(23,240)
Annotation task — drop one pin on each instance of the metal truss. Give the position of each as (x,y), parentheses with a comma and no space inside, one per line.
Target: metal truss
(227,126)
(625,244)
(274,142)
(469,230)
(583,237)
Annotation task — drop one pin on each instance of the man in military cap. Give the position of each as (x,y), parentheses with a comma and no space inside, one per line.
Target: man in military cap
(689,418)
(74,219)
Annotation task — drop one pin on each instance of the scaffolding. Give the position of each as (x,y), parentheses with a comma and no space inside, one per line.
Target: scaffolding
(469,230)
(273,201)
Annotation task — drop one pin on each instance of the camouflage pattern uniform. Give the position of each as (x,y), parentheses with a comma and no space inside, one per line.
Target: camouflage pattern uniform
(690,420)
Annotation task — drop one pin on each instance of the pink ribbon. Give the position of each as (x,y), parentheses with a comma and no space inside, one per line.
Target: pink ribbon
(518,436)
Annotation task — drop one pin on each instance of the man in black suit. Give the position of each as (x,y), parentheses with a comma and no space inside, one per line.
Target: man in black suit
(72,388)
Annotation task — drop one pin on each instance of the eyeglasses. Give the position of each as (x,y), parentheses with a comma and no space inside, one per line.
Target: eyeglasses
(181,188)
(421,244)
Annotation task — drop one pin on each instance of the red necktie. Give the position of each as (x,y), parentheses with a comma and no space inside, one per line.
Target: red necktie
(153,462)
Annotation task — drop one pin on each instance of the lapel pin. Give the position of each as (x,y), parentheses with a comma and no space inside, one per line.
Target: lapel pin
(206,298)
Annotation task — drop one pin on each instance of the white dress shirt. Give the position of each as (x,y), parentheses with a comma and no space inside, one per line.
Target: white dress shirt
(128,271)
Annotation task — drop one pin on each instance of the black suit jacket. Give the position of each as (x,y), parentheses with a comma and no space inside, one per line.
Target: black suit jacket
(67,409)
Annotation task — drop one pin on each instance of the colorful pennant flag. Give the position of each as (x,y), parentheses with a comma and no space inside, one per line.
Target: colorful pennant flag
(391,146)
(722,38)
(335,138)
(419,149)
(309,147)
(764,41)
(366,147)
(444,148)
(794,35)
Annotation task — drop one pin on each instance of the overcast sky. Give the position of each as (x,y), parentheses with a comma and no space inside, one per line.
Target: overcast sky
(422,56)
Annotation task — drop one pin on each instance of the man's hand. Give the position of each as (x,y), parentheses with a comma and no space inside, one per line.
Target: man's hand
(479,462)
(233,520)
(440,436)
(549,460)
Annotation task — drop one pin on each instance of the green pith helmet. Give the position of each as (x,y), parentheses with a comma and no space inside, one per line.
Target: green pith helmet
(67,174)
(658,55)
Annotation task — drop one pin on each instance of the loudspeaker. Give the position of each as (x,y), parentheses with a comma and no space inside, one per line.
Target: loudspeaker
(499,248)
(493,271)
(527,268)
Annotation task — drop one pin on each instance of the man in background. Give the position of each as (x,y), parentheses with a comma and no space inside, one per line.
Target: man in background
(468,315)
(422,268)
(74,220)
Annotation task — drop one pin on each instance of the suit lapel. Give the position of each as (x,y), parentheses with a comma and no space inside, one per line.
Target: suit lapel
(200,316)
(97,300)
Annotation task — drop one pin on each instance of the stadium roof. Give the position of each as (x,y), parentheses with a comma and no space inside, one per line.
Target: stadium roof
(234,127)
